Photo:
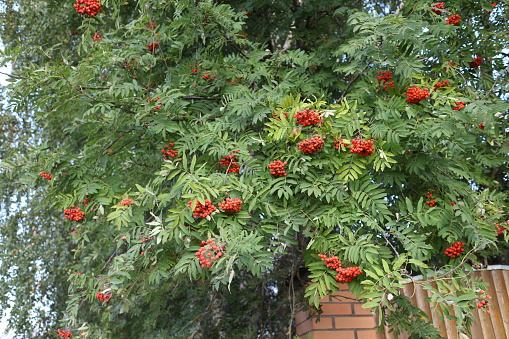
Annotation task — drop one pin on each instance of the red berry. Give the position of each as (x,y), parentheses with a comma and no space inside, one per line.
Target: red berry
(439,84)
(88,7)
(333,262)
(277,168)
(307,117)
(103,297)
(476,62)
(126,202)
(362,147)
(230,161)
(46,175)
(347,274)
(64,334)
(455,250)
(416,95)
(74,214)
(231,205)
(152,46)
(454,20)
(383,77)
(167,152)
(209,252)
(459,105)
(338,142)
(440,5)
(311,145)
(202,211)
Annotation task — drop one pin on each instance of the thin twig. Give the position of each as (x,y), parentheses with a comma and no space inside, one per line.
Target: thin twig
(14,76)
(351,82)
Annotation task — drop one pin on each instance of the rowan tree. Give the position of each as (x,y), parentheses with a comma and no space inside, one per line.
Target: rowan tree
(206,168)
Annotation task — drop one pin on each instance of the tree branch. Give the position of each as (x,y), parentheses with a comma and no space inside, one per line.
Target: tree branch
(400,8)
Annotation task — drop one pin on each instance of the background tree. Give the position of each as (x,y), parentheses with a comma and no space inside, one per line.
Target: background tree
(203,168)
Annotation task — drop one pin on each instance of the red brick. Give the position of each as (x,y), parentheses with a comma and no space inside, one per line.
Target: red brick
(301,316)
(323,324)
(333,335)
(370,334)
(355,322)
(343,287)
(336,309)
(358,310)
(304,327)
(326,299)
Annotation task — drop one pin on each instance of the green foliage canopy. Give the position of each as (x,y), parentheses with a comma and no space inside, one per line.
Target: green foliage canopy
(94,101)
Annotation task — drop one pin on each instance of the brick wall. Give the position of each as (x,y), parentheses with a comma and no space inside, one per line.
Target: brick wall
(343,317)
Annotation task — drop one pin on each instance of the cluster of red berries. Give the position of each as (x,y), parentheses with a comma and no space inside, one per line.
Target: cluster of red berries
(230,162)
(483,304)
(481,125)
(277,117)
(416,95)
(455,250)
(431,202)
(362,147)
(339,142)
(151,25)
(436,8)
(236,81)
(168,152)
(344,275)
(103,297)
(459,105)
(136,62)
(231,205)
(208,252)
(149,99)
(46,175)
(202,211)
(383,77)
(97,36)
(74,214)
(64,334)
(277,168)
(333,262)
(126,202)
(390,84)
(207,77)
(454,20)
(152,46)
(307,117)
(440,84)
(194,69)
(500,229)
(476,62)
(347,274)
(311,145)
(450,65)
(88,7)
